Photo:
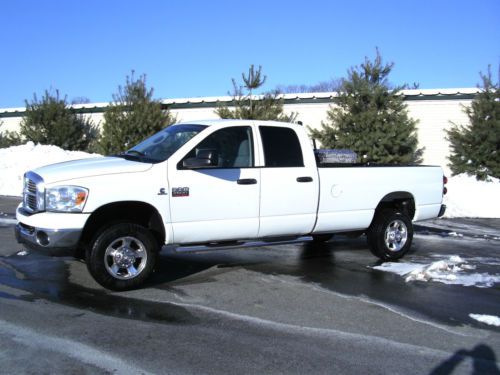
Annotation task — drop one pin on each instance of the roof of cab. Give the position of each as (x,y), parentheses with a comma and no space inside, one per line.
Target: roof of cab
(235,122)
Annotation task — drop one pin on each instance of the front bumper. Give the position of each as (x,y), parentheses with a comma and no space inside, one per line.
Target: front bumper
(49,230)
(47,238)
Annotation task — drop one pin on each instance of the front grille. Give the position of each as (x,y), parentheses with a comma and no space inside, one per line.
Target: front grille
(33,192)
(31,201)
(31,186)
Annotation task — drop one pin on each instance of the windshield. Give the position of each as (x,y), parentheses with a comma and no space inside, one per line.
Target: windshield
(163,144)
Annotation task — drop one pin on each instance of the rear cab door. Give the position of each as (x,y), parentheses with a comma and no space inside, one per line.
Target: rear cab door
(289,181)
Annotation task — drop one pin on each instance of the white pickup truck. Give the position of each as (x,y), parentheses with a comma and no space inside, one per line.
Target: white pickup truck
(215,183)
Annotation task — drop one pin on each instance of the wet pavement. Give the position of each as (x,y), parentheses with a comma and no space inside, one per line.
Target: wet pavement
(287,309)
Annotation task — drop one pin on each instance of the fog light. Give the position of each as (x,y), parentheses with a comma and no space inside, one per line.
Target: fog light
(42,238)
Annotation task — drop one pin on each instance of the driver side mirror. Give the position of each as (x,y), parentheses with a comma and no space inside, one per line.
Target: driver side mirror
(205,158)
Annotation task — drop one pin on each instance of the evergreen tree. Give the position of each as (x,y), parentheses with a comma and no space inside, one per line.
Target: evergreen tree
(371,118)
(8,138)
(133,116)
(266,107)
(51,121)
(475,148)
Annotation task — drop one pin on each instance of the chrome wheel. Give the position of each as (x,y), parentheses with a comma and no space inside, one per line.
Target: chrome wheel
(125,258)
(396,235)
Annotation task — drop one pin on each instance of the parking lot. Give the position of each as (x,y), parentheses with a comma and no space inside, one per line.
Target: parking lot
(294,308)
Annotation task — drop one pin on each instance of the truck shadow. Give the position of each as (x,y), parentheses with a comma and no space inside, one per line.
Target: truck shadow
(303,259)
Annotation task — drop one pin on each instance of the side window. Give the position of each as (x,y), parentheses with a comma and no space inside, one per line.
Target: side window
(281,147)
(232,147)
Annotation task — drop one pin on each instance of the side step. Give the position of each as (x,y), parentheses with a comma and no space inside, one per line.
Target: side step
(236,244)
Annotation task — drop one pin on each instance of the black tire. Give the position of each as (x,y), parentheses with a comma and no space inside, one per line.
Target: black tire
(320,238)
(390,234)
(122,256)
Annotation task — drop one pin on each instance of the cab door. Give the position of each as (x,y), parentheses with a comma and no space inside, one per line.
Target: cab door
(214,188)
(289,183)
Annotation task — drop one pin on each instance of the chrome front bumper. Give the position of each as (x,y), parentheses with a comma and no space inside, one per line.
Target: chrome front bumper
(49,230)
(47,238)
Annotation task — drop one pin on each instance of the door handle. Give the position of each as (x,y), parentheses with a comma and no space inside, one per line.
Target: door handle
(247,181)
(304,179)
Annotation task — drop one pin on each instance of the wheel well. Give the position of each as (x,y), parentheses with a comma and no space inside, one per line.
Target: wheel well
(136,212)
(400,200)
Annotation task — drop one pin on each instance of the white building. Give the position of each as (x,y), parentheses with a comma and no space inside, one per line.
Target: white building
(434,109)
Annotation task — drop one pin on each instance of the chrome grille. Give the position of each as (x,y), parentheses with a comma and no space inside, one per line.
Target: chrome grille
(31,186)
(31,202)
(33,192)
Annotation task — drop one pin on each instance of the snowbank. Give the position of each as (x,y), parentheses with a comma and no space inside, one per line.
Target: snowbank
(466,197)
(16,160)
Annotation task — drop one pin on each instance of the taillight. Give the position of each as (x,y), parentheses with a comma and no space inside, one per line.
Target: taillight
(445,181)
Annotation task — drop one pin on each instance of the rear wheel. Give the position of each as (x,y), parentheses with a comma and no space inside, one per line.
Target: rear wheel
(390,235)
(122,256)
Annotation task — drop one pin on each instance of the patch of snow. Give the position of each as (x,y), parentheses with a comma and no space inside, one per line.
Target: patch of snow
(16,160)
(492,320)
(448,271)
(480,260)
(468,197)
(456,259)
(22,253)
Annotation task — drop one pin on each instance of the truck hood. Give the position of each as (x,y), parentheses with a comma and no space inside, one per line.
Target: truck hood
(89,167)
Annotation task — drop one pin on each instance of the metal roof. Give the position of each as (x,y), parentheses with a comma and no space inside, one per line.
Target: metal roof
(302,98)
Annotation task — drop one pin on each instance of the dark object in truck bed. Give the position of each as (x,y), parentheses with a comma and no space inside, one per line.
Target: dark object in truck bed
(324,156)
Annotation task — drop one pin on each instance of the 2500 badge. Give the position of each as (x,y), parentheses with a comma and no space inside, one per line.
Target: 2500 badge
(180,192)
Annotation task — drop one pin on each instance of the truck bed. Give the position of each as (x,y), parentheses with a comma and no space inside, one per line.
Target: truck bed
(349,194)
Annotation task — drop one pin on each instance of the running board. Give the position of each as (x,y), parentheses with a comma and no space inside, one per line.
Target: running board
(233,245)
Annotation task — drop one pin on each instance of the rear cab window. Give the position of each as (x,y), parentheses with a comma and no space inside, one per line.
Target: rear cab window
(281,147)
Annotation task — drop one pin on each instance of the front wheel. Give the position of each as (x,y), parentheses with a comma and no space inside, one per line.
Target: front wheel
(390,234)
(122,256)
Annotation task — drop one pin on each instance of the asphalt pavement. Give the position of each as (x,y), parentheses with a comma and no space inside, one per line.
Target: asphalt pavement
(288,309)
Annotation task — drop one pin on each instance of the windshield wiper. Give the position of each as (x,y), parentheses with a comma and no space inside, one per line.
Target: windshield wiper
(135,155)
(134,152)
(131,154)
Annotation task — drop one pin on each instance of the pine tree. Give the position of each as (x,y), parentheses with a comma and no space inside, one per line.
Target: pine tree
(475,148)
(9,138)
(51,121)
(246,106)
(371,118)
(132,116)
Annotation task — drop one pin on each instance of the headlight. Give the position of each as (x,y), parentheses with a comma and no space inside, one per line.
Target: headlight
(66,198)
